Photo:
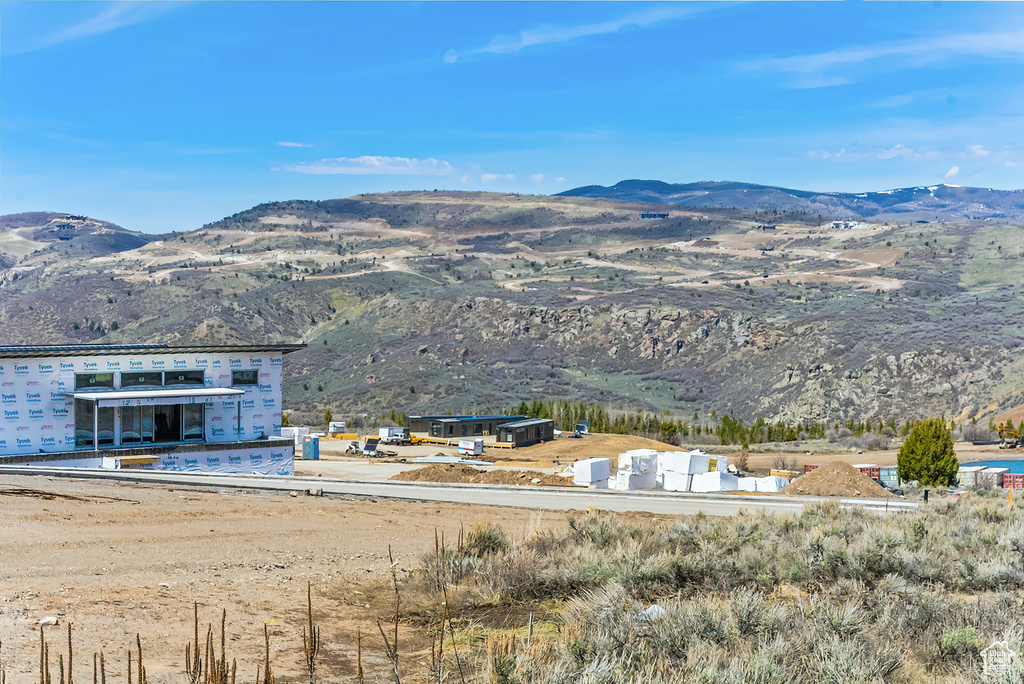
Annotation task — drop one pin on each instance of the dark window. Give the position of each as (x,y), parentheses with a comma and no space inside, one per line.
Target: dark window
(142,379)
(196,377)
(192,422)
(83,422)
(478,429)
(167,423)
(137,424)
(90,380)
(246,377)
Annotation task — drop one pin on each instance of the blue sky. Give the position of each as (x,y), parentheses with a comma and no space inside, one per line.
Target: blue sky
(165,116)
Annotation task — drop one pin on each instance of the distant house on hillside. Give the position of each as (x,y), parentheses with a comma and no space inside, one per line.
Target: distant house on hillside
(652,215)
(843,225)
(706,243)
(766,226)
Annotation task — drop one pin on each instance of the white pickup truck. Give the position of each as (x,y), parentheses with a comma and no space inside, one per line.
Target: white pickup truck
(394,435)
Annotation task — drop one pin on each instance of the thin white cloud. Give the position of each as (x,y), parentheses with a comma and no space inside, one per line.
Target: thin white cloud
(537,178)
(560,179)
(367,165)
(893,55)
(898,151)
(488,178)
(293,144)
(549,34)
(977,151)
(115,15)
(903,152)
(952,173)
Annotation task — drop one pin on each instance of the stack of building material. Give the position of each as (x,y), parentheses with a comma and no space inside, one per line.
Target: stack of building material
(990,477)
(674,482)
(674,466)
(592,472)
(772,483)
(746,484)
(714,482)
(296,433)
(638,469)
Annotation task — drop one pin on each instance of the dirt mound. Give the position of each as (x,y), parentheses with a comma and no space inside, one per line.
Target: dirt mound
(438,472)
(836,478)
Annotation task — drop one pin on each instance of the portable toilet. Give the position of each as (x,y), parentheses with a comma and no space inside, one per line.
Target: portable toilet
(311,448)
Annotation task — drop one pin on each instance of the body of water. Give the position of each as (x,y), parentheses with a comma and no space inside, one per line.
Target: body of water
(1015,466)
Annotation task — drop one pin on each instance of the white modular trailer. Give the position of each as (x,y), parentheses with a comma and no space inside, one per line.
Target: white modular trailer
(69,400)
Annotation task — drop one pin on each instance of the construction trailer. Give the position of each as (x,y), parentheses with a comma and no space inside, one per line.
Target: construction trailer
(527,432)
(445,427)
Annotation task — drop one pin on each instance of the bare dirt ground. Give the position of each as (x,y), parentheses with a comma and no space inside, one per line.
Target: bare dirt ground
(116,560)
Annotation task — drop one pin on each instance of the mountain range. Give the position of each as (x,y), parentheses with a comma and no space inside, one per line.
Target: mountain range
(934,202)
(428,302)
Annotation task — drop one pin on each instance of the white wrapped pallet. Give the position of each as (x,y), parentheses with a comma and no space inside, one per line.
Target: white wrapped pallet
(625,480)
(639,461)
(591,470)
(714,482)
(771,483)
(746,484)
(674,461)
(699,463)
(675,482)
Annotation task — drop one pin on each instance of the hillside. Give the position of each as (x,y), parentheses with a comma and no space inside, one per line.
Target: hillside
(62,234)
(467,302)
(936,202)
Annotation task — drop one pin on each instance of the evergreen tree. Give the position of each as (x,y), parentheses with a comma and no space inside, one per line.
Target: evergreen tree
(927,455)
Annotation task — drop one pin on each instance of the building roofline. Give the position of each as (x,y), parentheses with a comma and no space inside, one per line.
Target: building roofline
(529,421)
(51,350)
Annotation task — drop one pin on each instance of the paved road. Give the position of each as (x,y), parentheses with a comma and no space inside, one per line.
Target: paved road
(553,498)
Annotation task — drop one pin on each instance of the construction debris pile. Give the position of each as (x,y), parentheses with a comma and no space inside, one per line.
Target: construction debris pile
(837,479)
(459,473)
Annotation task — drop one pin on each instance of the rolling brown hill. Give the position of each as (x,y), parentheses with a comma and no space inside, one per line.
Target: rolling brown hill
(471,302)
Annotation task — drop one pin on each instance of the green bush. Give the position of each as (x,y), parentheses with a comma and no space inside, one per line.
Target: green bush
(927,455)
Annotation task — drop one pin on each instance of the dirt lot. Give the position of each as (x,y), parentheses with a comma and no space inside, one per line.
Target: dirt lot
(117,560)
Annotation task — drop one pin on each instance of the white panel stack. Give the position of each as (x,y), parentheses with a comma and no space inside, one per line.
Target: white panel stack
(296,433)
(714,482)
(638,469)
(747,484)
(771,483)
(699,462)
(591,472)
(674,482)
